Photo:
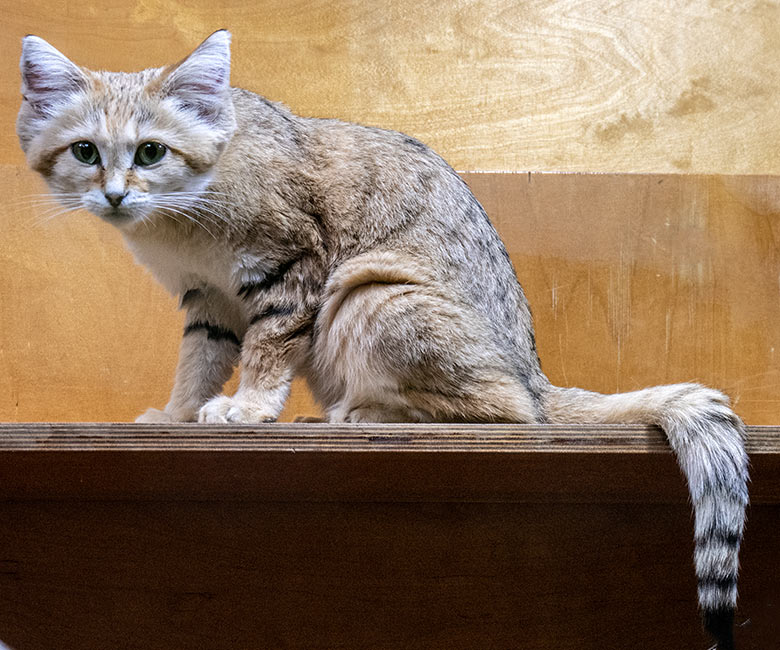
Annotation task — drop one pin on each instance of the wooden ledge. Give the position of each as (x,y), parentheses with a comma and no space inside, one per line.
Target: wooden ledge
(342,438)
(369,463)
(310,535)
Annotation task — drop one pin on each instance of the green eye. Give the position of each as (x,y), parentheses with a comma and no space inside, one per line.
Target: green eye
(149,153)
(85,152)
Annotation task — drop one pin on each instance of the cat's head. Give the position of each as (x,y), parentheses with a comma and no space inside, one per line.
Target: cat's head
(125,145)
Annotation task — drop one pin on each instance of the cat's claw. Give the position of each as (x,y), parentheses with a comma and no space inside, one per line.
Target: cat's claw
(229,410)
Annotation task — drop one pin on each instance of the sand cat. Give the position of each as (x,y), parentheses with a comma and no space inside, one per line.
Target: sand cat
(353,256)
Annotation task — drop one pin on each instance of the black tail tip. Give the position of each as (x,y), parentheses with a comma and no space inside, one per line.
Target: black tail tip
(719,623)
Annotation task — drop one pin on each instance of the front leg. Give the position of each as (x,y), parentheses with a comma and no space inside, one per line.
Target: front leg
(208,354)
(278,336)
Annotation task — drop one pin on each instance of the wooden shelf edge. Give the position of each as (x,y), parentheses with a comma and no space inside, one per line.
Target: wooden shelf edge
(466,438)
(355,463)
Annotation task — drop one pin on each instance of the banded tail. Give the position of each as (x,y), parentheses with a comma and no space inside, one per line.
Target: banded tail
(708,439)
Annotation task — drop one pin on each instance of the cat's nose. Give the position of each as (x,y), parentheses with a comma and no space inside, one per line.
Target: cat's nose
(114,198)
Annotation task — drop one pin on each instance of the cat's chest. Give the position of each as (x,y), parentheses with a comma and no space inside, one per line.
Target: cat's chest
(183,265)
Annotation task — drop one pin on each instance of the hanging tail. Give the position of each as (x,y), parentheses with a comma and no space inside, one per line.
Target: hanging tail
(708,440)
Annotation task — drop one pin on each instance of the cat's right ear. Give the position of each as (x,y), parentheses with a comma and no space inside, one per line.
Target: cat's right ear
(49,78)
(201,82)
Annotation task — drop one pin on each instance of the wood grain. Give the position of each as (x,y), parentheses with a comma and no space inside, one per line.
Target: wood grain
(637,280)
(633,280)
(302,437)
(385,537)
(625,86)
(308,462)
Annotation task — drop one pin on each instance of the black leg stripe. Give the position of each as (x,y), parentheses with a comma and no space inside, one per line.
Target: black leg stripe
(189,296)
(213,332)
(304,329)
(273,310)
(270,279)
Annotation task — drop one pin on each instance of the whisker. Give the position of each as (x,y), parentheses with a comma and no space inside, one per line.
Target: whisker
(54,208)
(209,199)
(49,194)
(49,217)
(194,193)
(194,203)
(195,220)
(182,210)
(189,217)
(202,210)
(42,201)
(213,205)
(172,215)
(207,210)
(39,210)
(200,196)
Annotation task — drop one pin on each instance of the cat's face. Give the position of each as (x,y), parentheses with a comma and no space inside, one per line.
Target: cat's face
(129,147)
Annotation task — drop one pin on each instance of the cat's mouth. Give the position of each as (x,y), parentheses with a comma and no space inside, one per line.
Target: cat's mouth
(123,213)
(120,215)
(117,216)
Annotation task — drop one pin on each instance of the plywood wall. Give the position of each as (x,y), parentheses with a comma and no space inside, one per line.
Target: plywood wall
(632,281)
(626,85)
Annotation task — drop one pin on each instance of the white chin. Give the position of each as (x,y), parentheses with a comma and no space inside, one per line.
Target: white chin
(117,216)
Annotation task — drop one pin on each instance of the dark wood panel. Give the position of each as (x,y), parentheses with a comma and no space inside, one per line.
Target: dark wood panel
(309,462)
(97,575)
(381,537)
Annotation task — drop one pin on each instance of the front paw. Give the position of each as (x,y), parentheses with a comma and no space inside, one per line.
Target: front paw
(155,416)
(223,410)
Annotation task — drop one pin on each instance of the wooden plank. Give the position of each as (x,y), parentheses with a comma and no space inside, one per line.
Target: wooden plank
(301,437)
(491,84)
(96,575)
(381,536)
(634,280)
(398,463)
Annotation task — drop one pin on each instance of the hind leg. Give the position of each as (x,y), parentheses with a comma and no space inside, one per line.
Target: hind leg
(409,353)
(376,412)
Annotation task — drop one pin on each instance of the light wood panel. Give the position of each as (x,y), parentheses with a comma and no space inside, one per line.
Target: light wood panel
(634,280)
(620,298)
(641,279)
(629,85)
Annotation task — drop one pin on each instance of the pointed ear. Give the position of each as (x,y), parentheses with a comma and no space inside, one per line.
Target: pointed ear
(202,80)
(48,76)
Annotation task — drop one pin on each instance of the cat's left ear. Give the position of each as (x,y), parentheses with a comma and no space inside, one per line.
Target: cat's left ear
(202,81)
(49,78)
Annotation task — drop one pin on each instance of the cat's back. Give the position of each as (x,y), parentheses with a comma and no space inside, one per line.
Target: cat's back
(381,191)
(402,197)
